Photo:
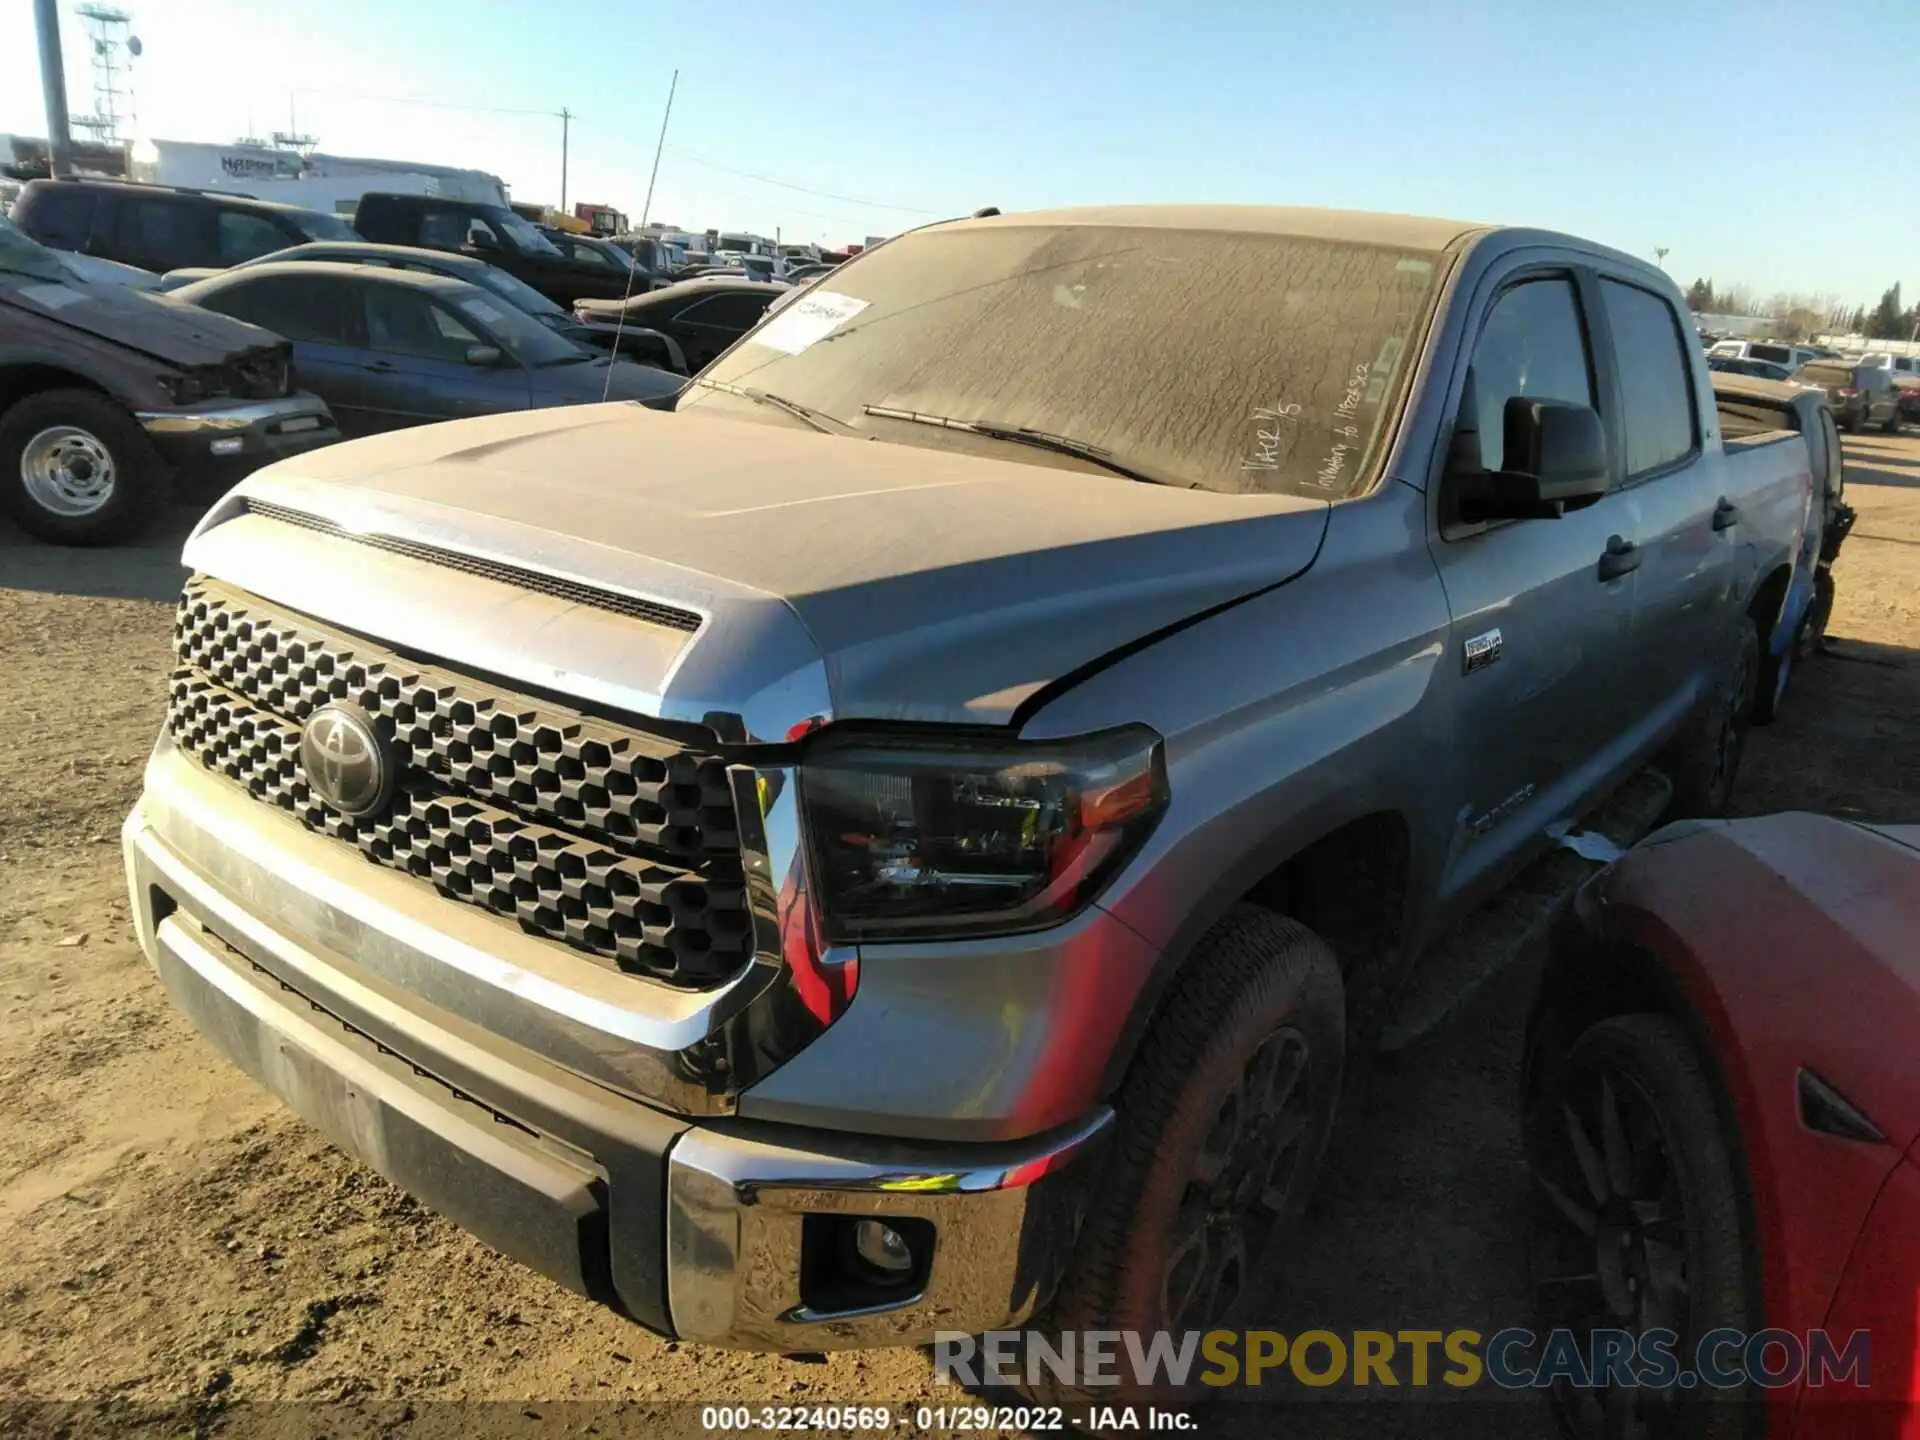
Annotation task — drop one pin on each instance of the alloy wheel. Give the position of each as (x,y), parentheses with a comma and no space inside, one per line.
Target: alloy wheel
(1241,1184)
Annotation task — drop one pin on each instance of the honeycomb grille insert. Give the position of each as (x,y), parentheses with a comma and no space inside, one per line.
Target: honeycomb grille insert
(614,841)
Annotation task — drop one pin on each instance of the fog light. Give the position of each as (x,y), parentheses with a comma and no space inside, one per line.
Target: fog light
(230,446)
(884,1248)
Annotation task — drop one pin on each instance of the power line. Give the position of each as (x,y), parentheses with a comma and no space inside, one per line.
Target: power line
(804,189)
(435,104)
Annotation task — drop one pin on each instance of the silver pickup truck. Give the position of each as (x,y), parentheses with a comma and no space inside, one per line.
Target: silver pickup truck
(918,835)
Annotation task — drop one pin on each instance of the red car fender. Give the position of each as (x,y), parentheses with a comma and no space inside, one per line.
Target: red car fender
(1773,983)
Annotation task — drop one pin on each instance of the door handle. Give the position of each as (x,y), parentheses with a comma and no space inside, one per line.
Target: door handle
(1726,514)
(1621,556)
(379,367)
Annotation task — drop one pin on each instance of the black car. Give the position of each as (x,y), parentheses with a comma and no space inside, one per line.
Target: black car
(599,254)
(801,274)
(646,346)
(391,348)
(162,227)
(702,316)
(492,233)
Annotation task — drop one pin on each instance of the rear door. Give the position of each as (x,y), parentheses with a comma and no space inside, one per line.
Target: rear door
(416,361)
(319,315)
(167,232)
(1542,624)
(1686,564)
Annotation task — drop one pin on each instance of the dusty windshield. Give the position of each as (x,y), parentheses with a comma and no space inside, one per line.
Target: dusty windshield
(1215,359)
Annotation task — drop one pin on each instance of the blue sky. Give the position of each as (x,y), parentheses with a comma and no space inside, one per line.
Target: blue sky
(1770,142)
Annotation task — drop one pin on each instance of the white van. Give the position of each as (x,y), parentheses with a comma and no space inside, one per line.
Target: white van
(1791,356)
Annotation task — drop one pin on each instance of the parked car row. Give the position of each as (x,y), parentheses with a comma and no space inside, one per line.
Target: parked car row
(1863,392)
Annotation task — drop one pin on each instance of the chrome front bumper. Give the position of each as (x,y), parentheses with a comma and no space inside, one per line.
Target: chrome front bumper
(306,968)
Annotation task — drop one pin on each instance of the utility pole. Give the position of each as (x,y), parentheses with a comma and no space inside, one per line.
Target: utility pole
(1660,255)
(53,86)
(566,122)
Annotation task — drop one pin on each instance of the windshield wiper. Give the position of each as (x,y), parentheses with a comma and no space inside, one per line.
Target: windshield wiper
(1023,435)
(818,419)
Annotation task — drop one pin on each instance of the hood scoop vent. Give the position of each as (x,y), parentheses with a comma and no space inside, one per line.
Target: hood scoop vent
(651,611)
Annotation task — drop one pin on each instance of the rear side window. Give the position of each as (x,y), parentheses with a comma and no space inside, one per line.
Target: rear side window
(1778,354)
(240,237)
(59,215)
(1656,389)
(313,309)
(166,234)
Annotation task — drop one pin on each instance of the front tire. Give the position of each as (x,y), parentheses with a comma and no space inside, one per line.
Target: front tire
(1639,1221)
(1222,1122)
(1703,760)
(76,468)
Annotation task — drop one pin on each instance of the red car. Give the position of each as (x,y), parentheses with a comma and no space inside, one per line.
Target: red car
(1722,1102)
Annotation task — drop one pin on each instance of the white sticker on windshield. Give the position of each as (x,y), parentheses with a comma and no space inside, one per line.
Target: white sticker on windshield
(485,312)
(807,321)
(53,297)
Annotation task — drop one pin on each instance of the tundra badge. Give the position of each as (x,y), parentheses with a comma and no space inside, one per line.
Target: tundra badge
(1482,651)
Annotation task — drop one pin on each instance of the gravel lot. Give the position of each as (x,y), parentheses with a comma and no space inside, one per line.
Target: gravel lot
(177,1247)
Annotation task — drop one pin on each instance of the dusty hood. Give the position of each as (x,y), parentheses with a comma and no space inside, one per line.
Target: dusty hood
(153,323)
(911,583)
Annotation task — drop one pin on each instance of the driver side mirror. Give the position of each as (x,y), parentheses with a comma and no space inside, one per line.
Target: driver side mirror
(485,356)
(1555,455)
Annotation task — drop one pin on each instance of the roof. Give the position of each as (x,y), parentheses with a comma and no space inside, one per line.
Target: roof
(452,259)
(230,198)
(1411,232)
(443,285)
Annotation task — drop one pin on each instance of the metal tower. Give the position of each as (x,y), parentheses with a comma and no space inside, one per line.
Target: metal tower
(115,47)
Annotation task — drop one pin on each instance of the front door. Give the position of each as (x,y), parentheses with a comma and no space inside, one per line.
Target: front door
(416,362)
(1542,609)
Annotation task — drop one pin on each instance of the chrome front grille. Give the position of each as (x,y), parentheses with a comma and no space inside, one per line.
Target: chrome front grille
(617,841)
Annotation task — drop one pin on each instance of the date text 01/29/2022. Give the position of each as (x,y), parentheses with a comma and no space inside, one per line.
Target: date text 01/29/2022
(933,1419)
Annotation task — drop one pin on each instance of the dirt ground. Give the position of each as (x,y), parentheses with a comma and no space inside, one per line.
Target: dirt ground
(174,1242)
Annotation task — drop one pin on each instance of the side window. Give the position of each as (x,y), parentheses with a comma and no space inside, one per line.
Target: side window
(727,312)
(475,230)
(402,321)
(588,255)
(1656,389)
(166,233)
(443,229)
(240,237)
(315,309)
(60,216)
(1532,344)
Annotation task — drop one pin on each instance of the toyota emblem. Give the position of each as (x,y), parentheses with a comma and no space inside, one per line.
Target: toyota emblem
(348,765)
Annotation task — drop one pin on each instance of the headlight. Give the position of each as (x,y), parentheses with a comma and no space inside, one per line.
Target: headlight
(917,839)
(189,388)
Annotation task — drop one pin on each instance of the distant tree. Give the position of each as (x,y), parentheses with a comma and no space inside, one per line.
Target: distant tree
(1857,322)
(1700,297)
(1884,322)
